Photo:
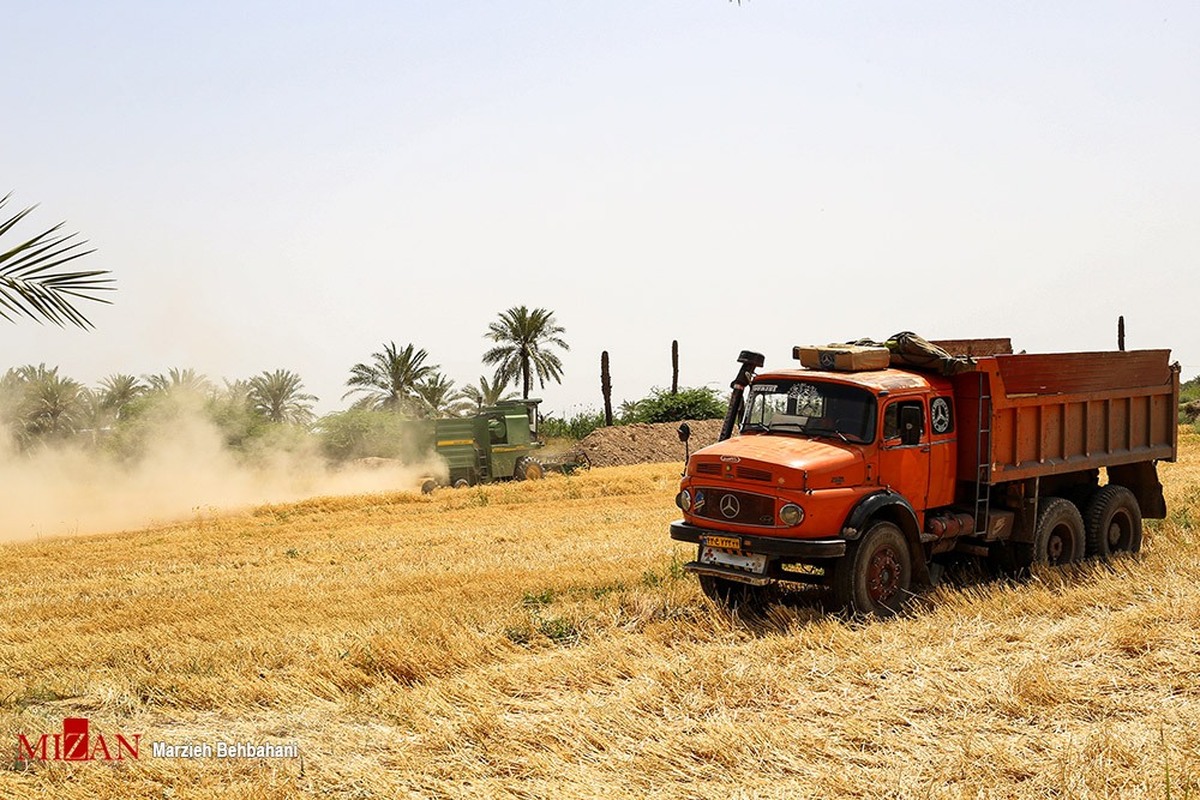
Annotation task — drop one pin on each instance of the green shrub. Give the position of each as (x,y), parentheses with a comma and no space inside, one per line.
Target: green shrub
(238,424)
(693,403)
(362,433)
(1189,390)
(1189,401)
(576,427)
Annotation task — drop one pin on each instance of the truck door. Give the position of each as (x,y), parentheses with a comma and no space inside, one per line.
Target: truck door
(943,452)
(905,467)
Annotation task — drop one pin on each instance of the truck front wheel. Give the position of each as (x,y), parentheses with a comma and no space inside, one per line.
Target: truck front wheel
(875,575)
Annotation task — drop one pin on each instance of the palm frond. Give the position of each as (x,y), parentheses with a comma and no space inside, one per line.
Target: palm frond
(33,283)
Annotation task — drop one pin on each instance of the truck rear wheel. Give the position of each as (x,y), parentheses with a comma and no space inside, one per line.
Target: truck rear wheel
(750,601)
(1059,536)
(875,576)
(1114,522)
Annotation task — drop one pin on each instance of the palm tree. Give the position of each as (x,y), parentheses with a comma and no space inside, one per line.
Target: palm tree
(440,399)
(628,411)
(523,337)
(180,380)
(50,405)
(390,381)
(118,391)
(237,392)
(32,283)
(279,397)
(488,394)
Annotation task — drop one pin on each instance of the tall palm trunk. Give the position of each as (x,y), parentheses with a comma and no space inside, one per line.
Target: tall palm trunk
(675,366)
(526,374)
(606,388)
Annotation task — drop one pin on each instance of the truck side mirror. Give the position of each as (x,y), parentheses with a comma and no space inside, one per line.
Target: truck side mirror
(910,424)
(685,433)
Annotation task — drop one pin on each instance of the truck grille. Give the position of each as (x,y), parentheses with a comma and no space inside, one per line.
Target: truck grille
(742,508)
(745,473)
(752,474)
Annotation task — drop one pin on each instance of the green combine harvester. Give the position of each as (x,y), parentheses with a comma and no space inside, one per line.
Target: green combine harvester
(498,443)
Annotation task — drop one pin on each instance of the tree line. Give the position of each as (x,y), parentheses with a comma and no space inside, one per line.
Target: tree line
(40,406)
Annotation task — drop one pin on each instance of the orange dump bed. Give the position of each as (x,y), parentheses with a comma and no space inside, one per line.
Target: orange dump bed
(1030,415)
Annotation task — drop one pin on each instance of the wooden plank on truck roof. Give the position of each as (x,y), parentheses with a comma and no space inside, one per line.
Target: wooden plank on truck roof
(975,347)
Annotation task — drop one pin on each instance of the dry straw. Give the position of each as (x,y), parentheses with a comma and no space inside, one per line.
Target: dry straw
(539,640)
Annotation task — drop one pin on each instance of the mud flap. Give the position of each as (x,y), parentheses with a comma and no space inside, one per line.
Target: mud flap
(1142,479)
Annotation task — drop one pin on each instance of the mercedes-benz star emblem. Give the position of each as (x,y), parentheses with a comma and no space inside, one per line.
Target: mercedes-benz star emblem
(730,507)
(939,409)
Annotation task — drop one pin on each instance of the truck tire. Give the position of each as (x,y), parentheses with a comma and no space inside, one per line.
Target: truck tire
(751,602)
(875,575)
(528,469)
(1113,521)
(1058,537)
(428,485)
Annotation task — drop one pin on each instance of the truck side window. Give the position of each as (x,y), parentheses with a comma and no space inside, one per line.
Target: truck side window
(891,418)
(497,429)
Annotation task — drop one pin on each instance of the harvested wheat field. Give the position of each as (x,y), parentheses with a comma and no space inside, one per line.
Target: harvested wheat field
(539,640)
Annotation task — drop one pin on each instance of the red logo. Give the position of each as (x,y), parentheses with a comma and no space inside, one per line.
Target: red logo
(76,743)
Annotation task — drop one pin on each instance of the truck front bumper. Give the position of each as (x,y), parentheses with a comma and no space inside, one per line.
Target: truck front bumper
(798,549)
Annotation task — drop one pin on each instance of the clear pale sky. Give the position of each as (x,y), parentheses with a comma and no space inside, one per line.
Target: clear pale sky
(294,184)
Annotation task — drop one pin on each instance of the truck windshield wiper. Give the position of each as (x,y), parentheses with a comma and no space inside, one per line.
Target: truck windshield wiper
(799,426)
(827,432)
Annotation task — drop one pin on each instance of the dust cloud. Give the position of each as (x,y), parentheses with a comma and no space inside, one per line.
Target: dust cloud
(184,470)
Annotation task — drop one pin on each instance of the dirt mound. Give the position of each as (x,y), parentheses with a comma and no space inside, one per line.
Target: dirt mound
(643,443)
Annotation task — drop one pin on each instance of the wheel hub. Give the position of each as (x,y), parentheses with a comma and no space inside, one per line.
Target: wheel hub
(1120,532)
(883,574)
(1058,545)
(1054,548)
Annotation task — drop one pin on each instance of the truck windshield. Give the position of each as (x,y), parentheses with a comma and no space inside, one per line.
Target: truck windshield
(812,408)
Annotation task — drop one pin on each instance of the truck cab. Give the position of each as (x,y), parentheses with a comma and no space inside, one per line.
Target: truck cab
(819,453)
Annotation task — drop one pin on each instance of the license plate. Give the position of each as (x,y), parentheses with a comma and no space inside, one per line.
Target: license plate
(743,561)
(726,542)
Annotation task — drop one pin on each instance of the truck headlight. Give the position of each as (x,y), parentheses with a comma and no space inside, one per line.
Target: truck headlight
(791,514)
(684,500)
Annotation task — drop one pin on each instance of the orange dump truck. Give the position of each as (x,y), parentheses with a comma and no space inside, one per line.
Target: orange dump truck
(867,477)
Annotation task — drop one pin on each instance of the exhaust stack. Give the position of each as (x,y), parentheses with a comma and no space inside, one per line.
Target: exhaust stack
(748,362)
